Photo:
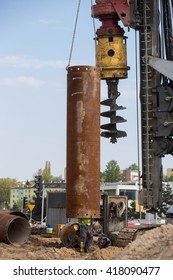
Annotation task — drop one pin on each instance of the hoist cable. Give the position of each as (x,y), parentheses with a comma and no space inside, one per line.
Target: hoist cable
(74,33)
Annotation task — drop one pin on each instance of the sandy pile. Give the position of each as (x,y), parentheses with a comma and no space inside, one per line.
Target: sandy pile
(155,244)
(39,248)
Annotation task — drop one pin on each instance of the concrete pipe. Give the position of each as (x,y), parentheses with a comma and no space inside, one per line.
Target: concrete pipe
(14,228)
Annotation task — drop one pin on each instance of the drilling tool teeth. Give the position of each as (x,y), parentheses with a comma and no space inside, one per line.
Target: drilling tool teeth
(109,102)
(114,134)
(112,126)
(109,114)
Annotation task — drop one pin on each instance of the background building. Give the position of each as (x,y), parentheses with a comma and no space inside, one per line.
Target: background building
(130,175)
(129,189)
(17,194)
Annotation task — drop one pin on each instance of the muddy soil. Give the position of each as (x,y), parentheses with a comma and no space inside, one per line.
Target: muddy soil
(155,244)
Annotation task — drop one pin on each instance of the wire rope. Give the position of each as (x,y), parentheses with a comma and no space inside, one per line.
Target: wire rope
(94,27)
(74,33)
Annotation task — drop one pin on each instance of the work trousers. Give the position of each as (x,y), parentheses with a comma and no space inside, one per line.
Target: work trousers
(86,236)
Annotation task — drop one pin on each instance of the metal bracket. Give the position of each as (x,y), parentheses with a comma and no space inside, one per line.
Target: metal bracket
(163,66)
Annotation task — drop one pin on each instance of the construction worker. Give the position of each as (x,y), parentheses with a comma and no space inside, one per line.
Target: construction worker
(86,234)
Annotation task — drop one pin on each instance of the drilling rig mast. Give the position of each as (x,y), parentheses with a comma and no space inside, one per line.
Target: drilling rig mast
(153,21)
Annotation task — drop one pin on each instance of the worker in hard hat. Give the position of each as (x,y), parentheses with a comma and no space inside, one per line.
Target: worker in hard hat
(86,234)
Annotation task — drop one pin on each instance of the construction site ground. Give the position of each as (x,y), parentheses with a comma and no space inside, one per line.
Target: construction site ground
(156,244)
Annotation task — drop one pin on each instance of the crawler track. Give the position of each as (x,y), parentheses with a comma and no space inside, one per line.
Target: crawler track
(129,234)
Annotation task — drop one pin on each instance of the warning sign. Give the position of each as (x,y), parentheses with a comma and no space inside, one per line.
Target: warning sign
(31,207)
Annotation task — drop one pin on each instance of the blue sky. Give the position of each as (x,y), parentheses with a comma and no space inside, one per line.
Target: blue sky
(35,41)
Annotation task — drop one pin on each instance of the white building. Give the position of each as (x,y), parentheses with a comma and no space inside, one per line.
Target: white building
(129,189)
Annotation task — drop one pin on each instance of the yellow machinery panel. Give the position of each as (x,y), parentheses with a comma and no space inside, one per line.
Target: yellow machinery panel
(111,57)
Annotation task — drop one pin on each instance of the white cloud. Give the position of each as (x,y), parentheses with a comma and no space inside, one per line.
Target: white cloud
(26,81)
(25,62)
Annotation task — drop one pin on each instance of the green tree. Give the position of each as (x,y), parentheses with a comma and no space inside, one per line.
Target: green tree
(47,174)
(133,166)
(112,172)
(170,179)
(132,210)
(8,183)
(57,179)
(5,185)
(167,199)
(17,205)
(102,177)
(36,214)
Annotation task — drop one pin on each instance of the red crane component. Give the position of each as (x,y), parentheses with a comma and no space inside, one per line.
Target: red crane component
(109,12)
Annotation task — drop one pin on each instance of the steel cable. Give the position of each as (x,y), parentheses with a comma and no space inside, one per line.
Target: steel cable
(94,27)
(74,33)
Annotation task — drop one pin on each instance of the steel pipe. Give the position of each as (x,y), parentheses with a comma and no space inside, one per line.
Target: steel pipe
(83,142)
(69,234)
(14,228)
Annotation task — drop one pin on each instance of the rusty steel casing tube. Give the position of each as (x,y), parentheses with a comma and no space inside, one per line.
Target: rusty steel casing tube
(69,234)
(83,142)
(14,228)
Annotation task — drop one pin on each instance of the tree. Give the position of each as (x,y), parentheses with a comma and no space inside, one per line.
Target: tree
(167,199)
(5,185)
(17,205)
(132,213)
(170,179)
(112,172)
(47,176)
(46,173)
(133,167)
(102,177)
(132,210)
(8,183)
(36,214)
(57,179)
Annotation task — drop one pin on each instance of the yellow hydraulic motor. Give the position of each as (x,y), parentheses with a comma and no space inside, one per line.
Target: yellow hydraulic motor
(111,56)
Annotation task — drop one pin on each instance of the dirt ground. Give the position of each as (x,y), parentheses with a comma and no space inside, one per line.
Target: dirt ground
(155,244)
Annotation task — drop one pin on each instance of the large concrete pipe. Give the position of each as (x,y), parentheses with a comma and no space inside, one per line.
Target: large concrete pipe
(14,227)
(83,142)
